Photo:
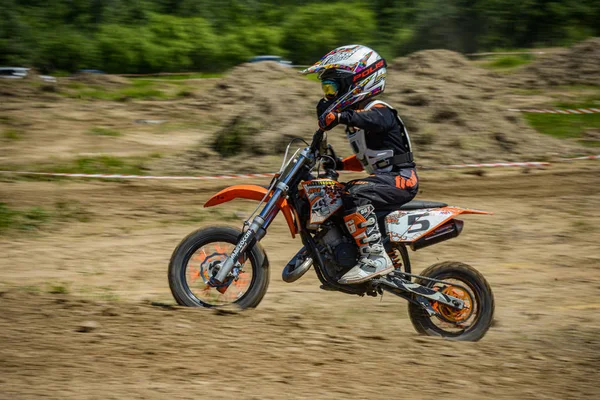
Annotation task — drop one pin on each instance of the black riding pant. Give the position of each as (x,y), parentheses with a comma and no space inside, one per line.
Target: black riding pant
(382,190)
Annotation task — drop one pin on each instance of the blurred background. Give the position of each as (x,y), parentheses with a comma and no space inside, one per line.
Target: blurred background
(205,88)
(189,35)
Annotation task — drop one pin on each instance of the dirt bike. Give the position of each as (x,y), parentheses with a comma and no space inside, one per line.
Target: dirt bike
(220,265)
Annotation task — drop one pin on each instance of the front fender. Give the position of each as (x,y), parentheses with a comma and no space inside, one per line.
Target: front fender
(253,192)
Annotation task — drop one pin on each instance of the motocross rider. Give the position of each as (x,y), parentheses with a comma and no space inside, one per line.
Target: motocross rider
(350,77)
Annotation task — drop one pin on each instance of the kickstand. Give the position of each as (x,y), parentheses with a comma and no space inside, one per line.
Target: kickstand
(381,298)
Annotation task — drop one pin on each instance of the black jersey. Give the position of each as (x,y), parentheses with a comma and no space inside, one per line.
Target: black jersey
(383,131)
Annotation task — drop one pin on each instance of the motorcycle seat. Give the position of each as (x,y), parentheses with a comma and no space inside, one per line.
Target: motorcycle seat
(413,205)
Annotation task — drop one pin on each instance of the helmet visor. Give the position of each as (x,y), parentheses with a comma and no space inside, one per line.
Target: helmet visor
(330,88)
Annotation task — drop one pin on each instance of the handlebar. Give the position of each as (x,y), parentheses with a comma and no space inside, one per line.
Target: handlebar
(316,140)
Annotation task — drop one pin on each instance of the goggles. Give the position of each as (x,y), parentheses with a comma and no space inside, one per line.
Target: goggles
(330,88)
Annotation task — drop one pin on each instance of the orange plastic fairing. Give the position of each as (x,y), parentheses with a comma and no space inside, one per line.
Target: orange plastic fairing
(253,192)
(452,212)
(351,163)
(426,220)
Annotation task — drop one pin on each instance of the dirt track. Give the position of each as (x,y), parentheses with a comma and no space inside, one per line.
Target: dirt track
(539,252)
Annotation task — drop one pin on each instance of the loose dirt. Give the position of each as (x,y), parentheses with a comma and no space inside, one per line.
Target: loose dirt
(111,330)
(577,65)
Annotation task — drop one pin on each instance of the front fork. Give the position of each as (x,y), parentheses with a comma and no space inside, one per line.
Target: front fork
(258,228)
(255,232)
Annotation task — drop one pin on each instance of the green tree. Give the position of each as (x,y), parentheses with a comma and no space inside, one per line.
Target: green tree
(312,30)
(15,36)
(177,35)
(65,49)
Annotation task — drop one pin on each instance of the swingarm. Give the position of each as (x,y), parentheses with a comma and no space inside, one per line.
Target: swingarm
(401,287)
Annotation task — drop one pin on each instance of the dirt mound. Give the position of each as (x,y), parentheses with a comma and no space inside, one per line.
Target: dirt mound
(578,65)
(453,110)
(265,105)
(438,64)
(455,113)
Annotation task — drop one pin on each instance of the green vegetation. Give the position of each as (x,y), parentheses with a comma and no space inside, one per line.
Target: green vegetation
(585,128)
(103,132)
(98,165)
(37,218)
(102,164)
(508,62)
(587,97)
(138,89)
(31,289)
(210,36)
(24,220)
(313,77)
(567,126)
(58,288)
(563,126)
(141,92)
(182,77)
(12,134)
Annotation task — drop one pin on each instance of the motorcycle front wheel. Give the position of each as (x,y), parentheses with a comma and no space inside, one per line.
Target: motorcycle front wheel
(469,324)
(194,259)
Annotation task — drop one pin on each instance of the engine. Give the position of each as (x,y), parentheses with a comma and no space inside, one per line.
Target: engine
(340,251)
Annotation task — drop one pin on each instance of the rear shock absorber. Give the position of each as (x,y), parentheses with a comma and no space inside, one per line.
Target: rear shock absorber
(396,258)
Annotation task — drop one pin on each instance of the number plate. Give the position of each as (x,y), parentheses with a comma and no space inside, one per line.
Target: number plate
(408,226)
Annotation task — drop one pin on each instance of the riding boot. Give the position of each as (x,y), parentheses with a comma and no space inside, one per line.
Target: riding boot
(373,261)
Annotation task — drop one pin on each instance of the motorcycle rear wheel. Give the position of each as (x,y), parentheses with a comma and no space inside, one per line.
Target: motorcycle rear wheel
(450,325)
(190,292)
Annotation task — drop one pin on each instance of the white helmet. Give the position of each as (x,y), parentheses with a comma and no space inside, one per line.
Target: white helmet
(349,75)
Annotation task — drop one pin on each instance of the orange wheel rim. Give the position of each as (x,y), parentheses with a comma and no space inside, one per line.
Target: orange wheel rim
(198,275)
(453,314)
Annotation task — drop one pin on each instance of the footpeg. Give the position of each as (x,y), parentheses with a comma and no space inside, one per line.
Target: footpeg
(328,288)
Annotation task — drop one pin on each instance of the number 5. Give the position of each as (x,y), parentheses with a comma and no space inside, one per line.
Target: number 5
(417,224)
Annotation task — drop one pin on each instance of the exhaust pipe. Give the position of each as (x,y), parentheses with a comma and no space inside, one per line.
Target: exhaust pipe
(449,230)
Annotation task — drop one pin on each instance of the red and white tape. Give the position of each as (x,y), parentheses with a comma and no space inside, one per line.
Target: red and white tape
(580,158)
(490,165)
(557,111)
(269,175)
